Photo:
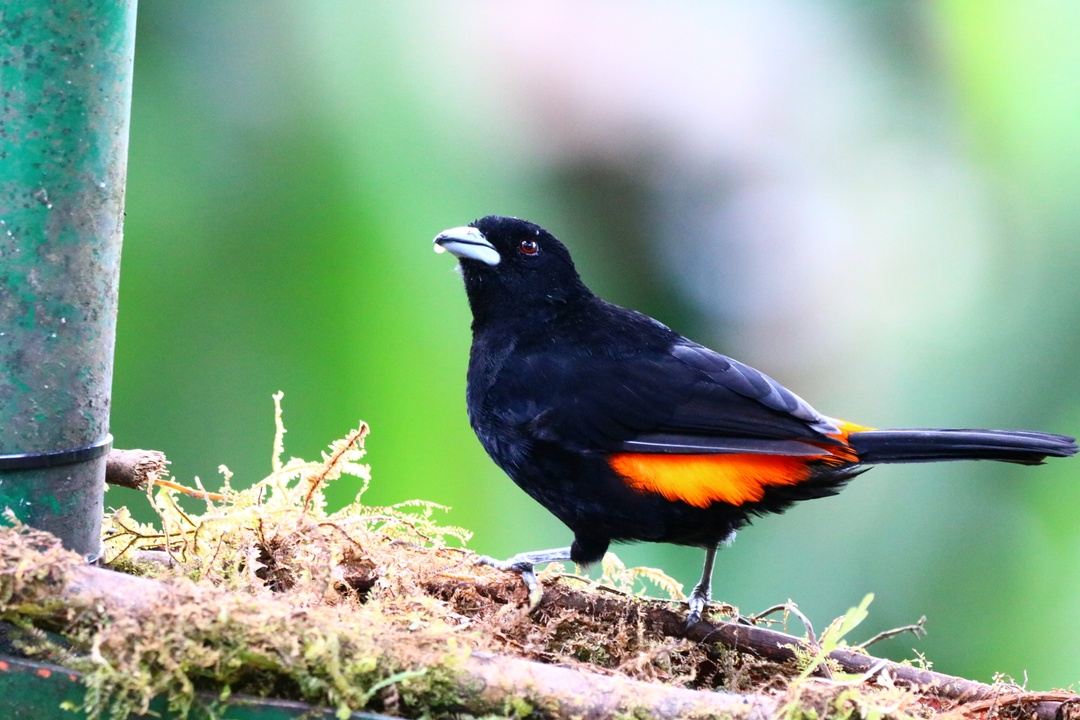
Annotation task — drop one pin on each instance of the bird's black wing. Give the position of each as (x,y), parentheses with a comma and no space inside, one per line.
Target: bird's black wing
(684,399)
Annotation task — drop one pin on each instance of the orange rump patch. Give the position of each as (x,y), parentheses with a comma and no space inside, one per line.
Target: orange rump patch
(735,479)
(701,480)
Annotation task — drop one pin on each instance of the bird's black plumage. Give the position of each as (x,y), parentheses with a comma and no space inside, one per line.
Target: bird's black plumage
(618,425)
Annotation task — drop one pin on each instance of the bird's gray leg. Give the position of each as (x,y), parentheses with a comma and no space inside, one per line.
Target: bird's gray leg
(702,592)
(523,564)
(701,595)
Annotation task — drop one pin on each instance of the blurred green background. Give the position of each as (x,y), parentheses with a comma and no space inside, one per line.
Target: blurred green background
(873,202)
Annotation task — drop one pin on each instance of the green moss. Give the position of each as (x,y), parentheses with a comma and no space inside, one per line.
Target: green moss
(518,707)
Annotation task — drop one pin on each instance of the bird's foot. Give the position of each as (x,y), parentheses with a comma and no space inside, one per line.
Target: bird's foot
(524,564)
(697,602)
(523,568)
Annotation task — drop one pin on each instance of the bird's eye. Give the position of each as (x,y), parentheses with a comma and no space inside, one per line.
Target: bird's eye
(528,247)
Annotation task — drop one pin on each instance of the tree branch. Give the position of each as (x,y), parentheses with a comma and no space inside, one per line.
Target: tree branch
(135,469)
(570,692)
(498,680)
(575,692)
(139,469)
(780,647)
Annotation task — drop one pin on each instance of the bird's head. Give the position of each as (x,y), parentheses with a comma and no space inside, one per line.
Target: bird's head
(512,267)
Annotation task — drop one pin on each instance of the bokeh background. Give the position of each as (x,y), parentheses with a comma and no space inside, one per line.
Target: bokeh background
(876,203)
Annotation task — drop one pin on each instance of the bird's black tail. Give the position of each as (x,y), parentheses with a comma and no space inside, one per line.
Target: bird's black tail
(912,446)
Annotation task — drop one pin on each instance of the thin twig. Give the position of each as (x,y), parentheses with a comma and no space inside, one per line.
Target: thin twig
(388,520)
(128,546)
(1042,702)
(184,515)
(183,490)
(314,481)
(344,534)
(136,533)
(918,629)
(207,495)
(217,549)
(789,607)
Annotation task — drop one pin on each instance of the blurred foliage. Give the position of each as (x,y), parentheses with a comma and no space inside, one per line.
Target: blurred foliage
(871,201)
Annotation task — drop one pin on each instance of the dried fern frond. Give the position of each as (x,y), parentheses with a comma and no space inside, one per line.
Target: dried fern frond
(632,580)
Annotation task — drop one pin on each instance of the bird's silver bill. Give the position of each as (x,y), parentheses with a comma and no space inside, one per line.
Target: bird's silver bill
(467,243)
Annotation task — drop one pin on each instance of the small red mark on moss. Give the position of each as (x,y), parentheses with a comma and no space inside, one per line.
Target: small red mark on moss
(4,667)
(43,672)
(72,677)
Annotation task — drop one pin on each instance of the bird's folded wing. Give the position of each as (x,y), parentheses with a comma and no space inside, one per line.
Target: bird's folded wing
(688,400)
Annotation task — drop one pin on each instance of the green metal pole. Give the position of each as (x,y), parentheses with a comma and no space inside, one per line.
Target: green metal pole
(65,103)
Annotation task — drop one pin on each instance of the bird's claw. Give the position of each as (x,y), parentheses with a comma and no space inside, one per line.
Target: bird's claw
(522,568)
(697,602)
(492,562)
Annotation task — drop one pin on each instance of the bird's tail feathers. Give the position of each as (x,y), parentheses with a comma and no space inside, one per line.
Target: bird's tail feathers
(918,445)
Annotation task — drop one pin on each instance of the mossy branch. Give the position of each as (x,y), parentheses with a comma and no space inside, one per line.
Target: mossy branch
(484,682)
(61,588)
(765,643)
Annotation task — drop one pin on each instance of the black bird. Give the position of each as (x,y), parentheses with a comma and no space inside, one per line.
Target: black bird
(626,430)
